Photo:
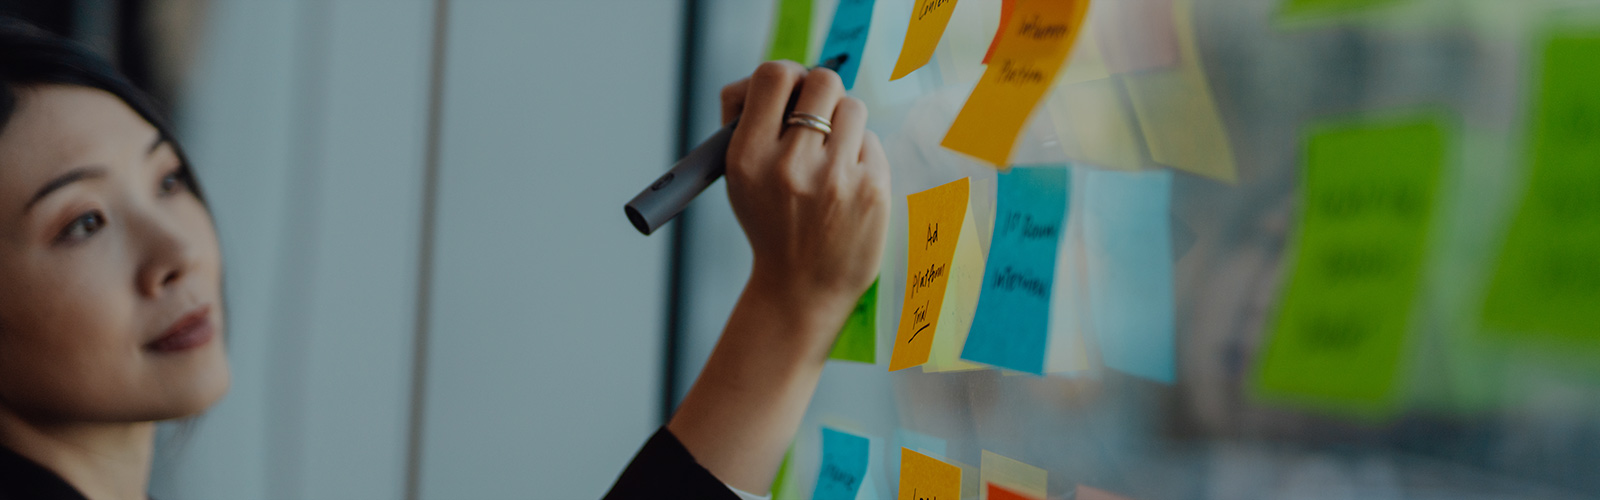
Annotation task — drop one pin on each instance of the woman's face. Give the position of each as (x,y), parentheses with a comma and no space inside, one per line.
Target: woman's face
(110,274)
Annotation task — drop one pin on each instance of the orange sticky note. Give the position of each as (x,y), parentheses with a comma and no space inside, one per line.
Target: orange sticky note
(1030,53)
(997,492)
(928,20)
(926,478)
(1005,17)
(935,219)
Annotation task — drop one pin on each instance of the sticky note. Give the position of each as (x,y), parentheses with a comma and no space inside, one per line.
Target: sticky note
(1013,476)
(926,478)
(781,481)
(928,20)
(936,218)
(1141,35)
(1316,7)
(1012,323)
(1128,244)
(858,340)
(791,31)
(1088,493)
(847,36)
(1005,16)
(960,303)
(1095,126)
(1086,62)
(1546,283)
(1356,270)
(1176,112)
(1030,53)
(869,489)
(844,465)
(997,492)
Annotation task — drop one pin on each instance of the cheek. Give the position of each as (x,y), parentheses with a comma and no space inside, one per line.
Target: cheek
(66,343)
(204,241)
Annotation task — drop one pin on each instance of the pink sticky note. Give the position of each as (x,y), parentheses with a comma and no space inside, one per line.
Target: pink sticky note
(1087,493)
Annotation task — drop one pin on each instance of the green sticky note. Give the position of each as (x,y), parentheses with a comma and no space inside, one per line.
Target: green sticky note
(1313,7)
(1547,279)
(791,31)
(858,340)
(1369,197)
(782,479)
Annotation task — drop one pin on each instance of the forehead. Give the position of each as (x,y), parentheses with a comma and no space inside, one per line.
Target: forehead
(55,128)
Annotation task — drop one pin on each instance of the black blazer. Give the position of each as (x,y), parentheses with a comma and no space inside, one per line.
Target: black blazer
(662,469)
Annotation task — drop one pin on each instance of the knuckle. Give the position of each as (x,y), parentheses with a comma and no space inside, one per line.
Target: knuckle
(853,106)
(774,71)
(824,78)
(731,93)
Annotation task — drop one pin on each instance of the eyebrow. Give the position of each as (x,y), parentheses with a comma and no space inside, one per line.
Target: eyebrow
(79,174)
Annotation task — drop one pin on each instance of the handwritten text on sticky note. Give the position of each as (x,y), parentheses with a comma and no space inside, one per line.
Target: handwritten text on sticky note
(1013,319)
(1029,54)
(844,465)
(1361,243)
(928,21)
(935,218)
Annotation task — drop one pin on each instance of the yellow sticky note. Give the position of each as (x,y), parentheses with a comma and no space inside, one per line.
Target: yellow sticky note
(1086,62)
(960,304)
(928,20)
(1035,44)
(1094,126)
(1011,474)
(926,478)
(1176,113)
(1067,351)
(935,219)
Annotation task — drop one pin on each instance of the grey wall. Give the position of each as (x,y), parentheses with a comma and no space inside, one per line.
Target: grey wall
(309,123)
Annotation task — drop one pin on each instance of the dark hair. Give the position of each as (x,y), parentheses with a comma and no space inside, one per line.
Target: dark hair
(30,56)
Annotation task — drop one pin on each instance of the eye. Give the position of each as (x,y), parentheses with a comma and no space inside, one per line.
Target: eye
(82,228)
(174,182)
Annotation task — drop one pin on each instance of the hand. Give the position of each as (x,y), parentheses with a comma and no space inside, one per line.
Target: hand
(814,206)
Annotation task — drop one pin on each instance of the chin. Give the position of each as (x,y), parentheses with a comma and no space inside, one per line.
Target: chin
(197,388)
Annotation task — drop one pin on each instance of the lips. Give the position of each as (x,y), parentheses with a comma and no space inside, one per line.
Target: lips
(192,330)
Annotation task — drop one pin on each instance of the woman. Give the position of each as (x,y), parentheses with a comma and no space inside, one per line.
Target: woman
(112,319)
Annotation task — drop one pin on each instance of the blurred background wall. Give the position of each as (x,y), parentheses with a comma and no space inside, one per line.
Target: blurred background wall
(432,291)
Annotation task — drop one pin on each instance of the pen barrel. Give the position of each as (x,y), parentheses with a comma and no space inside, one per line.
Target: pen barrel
(673,191)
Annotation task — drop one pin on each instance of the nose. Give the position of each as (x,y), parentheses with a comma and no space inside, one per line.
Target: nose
(169,253)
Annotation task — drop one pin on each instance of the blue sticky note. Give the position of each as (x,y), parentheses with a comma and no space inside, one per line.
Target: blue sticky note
(1012,323)
(844,465)
(848,36)
(1128,236)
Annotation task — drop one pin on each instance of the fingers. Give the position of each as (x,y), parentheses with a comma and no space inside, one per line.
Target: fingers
(733,96)
(874,163)
(767,99)
(849,125)
(819,94)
